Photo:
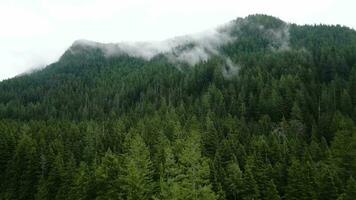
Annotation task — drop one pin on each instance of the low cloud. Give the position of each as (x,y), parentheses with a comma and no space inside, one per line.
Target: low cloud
(190,49)
(280,37)
(230,69)
(195,48)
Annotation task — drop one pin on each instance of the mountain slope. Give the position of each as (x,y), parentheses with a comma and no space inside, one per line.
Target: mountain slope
(256,108)
(254,37)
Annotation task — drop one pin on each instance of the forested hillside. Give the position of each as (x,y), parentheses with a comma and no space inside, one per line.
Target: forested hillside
(270,114)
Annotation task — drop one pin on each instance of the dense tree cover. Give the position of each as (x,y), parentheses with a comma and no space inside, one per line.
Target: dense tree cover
(96,127)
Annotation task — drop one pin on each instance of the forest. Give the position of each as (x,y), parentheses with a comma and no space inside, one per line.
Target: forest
(280,126)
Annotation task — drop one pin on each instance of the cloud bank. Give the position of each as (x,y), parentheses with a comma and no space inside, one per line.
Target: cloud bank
(190,49)
(196,48)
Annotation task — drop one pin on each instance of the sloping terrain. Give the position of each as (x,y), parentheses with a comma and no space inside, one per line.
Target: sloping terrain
(254,109)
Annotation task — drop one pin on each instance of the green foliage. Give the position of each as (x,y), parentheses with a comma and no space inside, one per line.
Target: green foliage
(234,181)
(137,174)
(272,193)
(107,177)
(250,188)
(195,170)
(300,182)
(282,126)
(350,192)
(82,183)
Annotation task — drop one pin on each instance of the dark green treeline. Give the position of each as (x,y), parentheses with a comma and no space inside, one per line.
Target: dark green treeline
(282,126)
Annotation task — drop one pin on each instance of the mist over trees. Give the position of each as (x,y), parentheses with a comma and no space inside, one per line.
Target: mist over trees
(278,124)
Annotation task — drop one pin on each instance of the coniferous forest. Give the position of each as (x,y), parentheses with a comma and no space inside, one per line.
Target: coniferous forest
(280,124)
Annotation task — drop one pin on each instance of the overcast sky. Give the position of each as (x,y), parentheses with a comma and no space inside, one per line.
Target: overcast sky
(35,33)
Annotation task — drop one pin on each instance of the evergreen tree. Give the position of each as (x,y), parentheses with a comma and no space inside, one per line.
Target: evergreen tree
(56,178)
(211,137)
(345,102)
(327,188)
(137,175)
(107,177)
(92,126)
(195,172)
(272,193)
(350,192)
(22,170)
(234,182)
(297,187)
(170,177)
(250,187)
(81,183)
(42,191)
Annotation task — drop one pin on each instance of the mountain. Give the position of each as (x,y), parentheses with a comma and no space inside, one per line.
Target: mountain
(254,109)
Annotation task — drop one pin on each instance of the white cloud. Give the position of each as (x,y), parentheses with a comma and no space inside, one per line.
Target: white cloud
(37,31)
(197,47)
(17,21)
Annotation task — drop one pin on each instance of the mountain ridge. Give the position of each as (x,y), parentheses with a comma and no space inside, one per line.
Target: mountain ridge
(191,48)
(270,114)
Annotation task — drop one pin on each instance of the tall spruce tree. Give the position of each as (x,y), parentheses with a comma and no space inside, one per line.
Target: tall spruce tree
(137,174)
(107,177)
(194,168)
(250,188)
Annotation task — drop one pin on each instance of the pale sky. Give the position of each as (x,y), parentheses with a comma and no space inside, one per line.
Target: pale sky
(35,33)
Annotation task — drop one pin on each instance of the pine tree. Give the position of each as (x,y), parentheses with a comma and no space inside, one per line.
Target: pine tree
(23,169)
(211,137)
(107,174)
(261,170)
(195,173)
(328,190)
(352,85)
(297,187)
(137,176)
(345,102)
(42,191)
(296,113)
(343,147)
(81,183)
(170,177)
(350,192)
(250,188)
(7,144)
(56,177)
(272,193)
(233,181)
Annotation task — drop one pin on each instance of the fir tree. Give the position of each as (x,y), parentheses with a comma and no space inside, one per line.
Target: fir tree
(137,175)
(272,193)
(250,188)
(350,192)
(234,182)
(195,172)
(107,177)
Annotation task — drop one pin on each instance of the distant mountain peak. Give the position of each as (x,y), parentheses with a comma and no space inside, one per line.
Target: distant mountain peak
(189,48)
(84,42)
(192,48)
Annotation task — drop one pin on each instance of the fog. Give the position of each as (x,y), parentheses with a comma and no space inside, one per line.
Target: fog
(195,48)
(34,33)
(190,49)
